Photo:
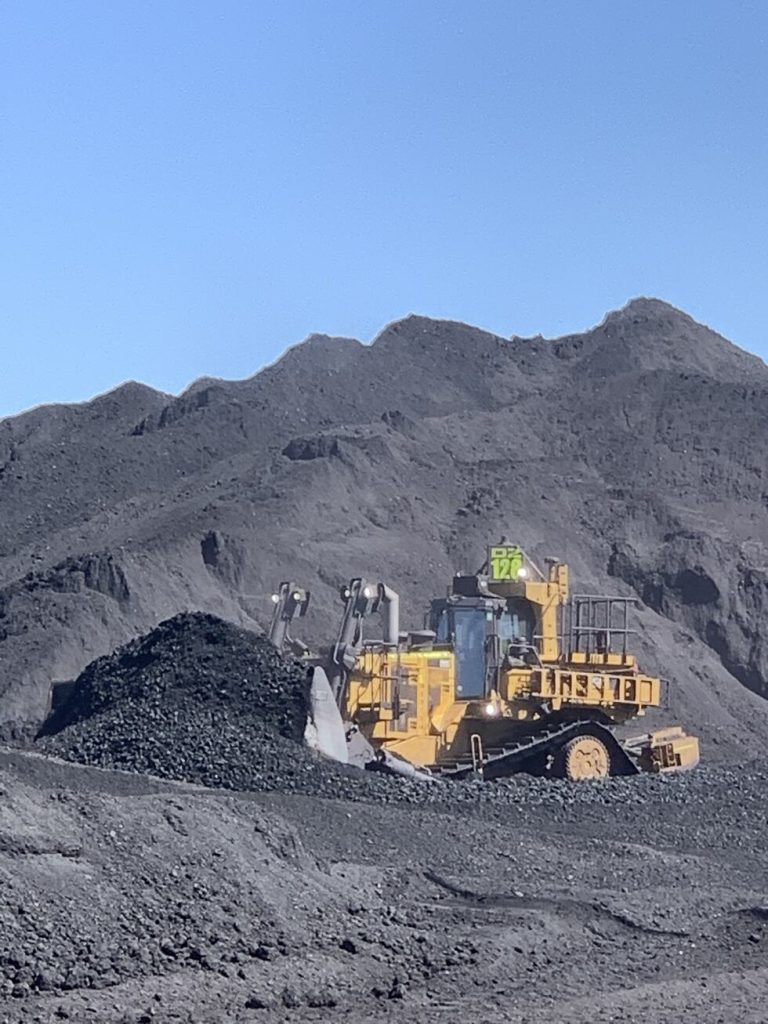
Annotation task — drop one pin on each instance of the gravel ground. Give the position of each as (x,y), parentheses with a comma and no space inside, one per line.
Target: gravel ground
(128,898)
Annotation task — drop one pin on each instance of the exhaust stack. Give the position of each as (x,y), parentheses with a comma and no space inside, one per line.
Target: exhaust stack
(391,601)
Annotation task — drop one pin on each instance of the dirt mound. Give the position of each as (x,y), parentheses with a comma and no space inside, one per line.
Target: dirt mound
(196,699)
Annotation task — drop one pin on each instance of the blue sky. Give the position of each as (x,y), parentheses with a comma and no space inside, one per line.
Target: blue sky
(188,188)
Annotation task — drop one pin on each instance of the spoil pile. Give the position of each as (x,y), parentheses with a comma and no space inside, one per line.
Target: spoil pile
(658,493)
(197,699)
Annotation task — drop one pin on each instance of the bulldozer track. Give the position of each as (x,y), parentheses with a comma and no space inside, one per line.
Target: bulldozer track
(500,763)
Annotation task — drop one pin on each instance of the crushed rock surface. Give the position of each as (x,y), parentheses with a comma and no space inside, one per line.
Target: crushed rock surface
(128,898)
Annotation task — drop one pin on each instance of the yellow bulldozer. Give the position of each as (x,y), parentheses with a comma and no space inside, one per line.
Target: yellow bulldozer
(512,673)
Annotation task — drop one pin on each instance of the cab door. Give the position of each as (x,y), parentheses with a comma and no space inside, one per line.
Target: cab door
(470,648)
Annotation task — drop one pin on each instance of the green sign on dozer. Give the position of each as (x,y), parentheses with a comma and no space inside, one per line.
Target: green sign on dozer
(504,563)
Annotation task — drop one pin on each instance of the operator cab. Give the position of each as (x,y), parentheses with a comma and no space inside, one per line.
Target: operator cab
(483,629)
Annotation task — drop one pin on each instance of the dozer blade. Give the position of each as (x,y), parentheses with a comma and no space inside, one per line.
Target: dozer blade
(324,731)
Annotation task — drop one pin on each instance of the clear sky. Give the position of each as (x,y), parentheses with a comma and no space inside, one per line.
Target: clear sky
(187,188)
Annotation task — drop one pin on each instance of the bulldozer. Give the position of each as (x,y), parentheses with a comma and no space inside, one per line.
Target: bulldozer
(511,673)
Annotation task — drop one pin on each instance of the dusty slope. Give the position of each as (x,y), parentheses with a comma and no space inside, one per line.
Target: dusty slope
(636,451)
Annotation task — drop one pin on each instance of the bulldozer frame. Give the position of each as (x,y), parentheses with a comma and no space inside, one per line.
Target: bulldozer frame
(513,675)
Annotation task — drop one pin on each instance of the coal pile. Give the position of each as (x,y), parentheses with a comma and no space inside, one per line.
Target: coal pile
(197,699)
(658,495)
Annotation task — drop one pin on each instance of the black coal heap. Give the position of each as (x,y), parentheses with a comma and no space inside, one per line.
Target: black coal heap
(197,699)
